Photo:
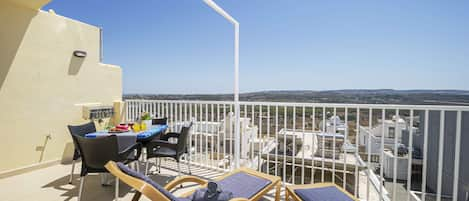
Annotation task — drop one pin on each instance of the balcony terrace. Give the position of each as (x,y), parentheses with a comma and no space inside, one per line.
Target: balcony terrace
(373,151)
(288,140)
(51,183)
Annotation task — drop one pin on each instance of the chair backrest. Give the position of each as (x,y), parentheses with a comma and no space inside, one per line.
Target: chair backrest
(83,129)
(139,183)
(96,152)
(182,139)
(80,130)
(159,121)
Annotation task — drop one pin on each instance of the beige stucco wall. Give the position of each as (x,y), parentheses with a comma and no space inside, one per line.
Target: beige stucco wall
(42,86)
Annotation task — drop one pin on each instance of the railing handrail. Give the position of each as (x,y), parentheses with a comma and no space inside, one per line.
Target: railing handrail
(318,105)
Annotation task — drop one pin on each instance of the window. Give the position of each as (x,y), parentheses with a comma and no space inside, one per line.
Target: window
(391,132)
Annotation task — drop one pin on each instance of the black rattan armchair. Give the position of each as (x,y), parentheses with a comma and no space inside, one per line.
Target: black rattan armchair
(159,121)
(96,152)
(80,130)
(145,141)
(163,148)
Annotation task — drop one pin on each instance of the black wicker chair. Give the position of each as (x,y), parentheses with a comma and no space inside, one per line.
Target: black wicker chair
(159,121)
(145,141)
(80,130)
(162,148)
(96,152)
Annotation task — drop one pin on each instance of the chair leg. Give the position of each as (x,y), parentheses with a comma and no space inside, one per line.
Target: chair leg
(146,168)
(286,195)
(277,193)
(117,189)
(137,196)
(80,190)
(179,172)
(159,165)
(137,163)
(156,164)
(71,174)
(179,169)
(143,155)
(189,164)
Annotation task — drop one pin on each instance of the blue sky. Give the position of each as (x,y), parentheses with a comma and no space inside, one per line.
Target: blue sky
(169,46)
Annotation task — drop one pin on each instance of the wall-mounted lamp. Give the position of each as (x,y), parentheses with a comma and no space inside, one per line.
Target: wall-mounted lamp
(79,53)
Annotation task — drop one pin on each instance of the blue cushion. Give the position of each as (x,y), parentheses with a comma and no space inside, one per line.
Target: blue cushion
(140,176)
(330,193)
(243,185)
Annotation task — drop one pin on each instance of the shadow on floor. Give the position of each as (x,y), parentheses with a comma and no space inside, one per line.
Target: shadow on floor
(93,189)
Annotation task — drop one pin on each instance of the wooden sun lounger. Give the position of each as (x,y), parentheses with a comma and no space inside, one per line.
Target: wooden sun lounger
(290,190)
(154,194)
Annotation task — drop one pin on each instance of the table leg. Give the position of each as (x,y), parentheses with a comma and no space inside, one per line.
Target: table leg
(106,179)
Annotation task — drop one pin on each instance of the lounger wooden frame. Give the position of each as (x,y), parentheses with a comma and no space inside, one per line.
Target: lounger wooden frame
(290,190)
(152,193)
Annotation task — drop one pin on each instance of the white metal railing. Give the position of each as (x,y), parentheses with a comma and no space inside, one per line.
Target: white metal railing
(307,143)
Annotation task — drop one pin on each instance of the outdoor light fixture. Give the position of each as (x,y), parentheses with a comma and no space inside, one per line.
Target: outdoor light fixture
(235,23)
(79,53)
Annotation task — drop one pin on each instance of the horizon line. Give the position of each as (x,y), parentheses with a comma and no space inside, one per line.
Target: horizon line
(305,90)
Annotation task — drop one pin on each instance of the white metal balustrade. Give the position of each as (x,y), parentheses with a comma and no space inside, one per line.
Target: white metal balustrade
(365,148)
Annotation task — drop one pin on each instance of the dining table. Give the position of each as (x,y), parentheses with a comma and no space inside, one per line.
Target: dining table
(127,139)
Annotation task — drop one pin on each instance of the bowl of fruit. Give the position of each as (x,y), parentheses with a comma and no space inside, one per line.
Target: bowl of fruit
(121,128)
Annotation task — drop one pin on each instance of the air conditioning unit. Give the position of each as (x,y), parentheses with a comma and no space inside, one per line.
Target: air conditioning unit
(97,112)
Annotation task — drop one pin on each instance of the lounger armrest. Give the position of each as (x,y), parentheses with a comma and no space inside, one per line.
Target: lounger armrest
(184,179)
(239,199)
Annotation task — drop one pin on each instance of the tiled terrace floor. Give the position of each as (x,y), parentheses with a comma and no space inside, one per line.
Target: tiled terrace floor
(51,184)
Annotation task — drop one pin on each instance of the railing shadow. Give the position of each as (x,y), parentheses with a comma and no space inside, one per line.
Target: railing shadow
(93,189)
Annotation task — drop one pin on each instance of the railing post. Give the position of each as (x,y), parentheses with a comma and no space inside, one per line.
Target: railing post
(236,95)
(237,136)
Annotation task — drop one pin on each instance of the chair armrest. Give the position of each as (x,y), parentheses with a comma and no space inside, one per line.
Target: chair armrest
(125,153)
(184,179)
(169,135)
(160,143)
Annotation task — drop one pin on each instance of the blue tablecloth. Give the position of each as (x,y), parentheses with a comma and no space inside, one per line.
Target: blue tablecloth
(154,130)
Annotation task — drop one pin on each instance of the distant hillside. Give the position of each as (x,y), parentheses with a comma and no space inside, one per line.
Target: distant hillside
(363,96)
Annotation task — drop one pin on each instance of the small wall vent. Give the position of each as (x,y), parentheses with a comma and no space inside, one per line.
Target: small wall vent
(97,112)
